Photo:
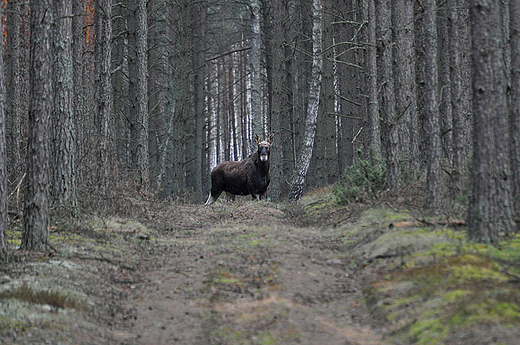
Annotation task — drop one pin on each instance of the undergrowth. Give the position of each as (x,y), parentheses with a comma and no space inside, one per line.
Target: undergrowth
(365,179)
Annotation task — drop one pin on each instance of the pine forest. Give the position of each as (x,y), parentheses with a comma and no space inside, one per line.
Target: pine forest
(100,96)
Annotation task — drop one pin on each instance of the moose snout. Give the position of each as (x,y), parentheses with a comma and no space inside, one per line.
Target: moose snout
(264,154)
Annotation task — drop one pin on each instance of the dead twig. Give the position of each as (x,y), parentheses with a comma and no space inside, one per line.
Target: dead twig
(422,7)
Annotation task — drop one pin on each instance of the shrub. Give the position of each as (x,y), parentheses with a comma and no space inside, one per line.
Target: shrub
(364,179)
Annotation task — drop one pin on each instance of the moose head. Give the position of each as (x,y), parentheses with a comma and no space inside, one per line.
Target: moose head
(264,147)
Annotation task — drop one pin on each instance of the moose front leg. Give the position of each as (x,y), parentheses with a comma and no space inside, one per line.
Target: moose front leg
(230,197)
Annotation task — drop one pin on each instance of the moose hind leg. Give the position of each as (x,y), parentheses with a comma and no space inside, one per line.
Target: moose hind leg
(212,198)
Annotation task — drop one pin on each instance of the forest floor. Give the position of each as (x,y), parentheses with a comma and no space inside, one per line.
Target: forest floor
(262,273)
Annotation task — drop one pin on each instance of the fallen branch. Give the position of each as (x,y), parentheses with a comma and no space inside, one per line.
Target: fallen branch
(421,221)
(442,222)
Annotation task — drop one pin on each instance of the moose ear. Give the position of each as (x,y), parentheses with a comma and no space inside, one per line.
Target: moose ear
(257,139)
(271,137)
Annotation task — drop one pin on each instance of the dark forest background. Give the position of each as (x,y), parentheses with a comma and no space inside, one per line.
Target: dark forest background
(102,96)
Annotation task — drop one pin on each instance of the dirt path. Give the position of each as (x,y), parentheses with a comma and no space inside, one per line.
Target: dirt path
(246,274)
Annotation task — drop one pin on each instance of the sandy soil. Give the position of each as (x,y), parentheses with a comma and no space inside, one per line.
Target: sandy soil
(251,277)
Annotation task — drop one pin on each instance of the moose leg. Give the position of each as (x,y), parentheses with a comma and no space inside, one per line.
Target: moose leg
(212,198)
(230,197)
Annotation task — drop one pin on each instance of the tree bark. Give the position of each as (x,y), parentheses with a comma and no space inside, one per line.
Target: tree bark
(4,250)
(515,105)
(142,94)
(457,93)
(432,147)
(490,204)
(78,93)
(298,179)
(325,154)
(405,97)
(36,207)
(256,42)
(281,153)
(200,168)
(369,17)
(64,149)
(105,106)
(388,111)
(17,84)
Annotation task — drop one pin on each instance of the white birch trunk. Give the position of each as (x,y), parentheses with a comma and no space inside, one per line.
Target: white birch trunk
(304,159)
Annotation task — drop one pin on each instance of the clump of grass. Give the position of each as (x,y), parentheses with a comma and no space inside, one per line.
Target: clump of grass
(29,294)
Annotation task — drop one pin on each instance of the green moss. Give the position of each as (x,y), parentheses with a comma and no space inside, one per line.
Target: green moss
(471,268)
(455,295)
(225,280)
(428,331)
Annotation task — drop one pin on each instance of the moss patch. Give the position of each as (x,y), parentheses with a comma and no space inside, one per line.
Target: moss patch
(463,285)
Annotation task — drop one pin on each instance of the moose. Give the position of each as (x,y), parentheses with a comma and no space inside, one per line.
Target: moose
(248,176)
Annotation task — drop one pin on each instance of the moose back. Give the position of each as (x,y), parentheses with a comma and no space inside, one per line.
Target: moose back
(248,176)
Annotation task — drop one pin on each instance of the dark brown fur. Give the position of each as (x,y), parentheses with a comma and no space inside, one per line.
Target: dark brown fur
(248,176)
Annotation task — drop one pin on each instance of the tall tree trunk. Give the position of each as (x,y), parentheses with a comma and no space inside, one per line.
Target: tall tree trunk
(281,153)
(369,17)
(4,250)
(244,119)
(457,87)
(199,72)
(226,122)
(17,82)
(104,44)
(515,105)
(432,147)
(325,156)
(142,94)
(164,90)
(36,207)
(277,40)
(133,132)
(444,93)
(298,179)
(64,166)
(180,20)
(256,44)
(78,93)
(388,112)
(405,101)
(231,88)
(490,204)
